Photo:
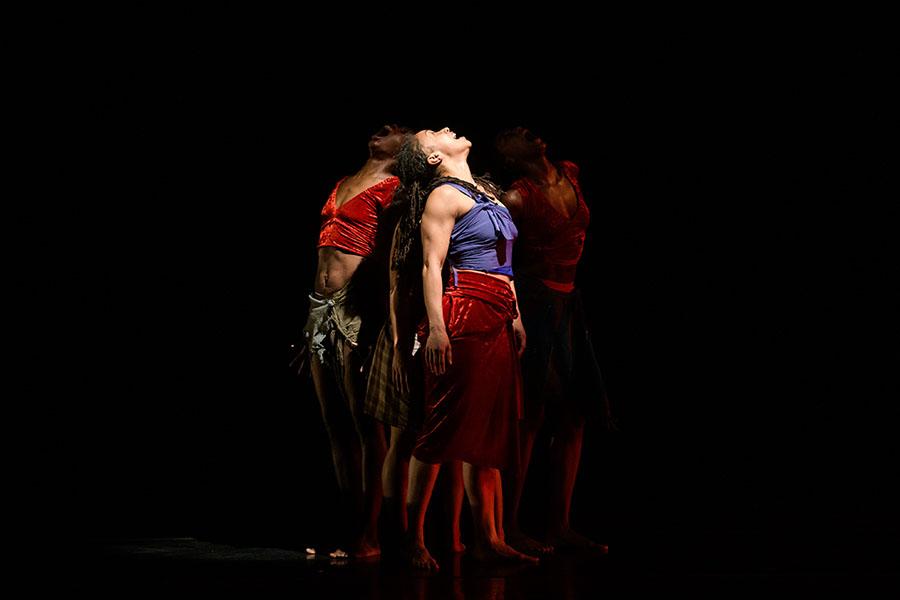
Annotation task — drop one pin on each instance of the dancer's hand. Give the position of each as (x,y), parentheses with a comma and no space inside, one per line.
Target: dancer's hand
(398,373)
(438,355)
(519,334)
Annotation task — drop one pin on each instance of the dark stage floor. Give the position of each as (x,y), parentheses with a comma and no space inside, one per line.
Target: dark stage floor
(861,561)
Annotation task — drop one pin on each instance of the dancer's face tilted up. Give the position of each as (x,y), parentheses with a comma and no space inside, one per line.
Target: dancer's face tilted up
(520,145)
(387,140)
(442,144)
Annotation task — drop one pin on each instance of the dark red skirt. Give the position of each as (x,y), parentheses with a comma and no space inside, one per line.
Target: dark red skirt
(472,410)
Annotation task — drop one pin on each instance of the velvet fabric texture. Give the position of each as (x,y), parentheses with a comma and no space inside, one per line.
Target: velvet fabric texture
(472,410)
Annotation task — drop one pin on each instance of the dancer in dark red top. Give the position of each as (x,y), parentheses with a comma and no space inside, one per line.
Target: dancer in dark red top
(562,381)
(348,237)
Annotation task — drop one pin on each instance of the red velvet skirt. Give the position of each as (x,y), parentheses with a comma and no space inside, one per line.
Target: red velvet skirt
(472,410)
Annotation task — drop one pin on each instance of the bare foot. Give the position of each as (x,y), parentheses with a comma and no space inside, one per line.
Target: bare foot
(499,551)
(457,547)
(420,558)
(570,539)
(523,543)
(366,550)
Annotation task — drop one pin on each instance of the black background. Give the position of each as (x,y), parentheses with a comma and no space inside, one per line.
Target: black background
(737,271)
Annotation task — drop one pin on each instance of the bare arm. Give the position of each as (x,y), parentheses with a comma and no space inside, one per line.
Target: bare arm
(518,326)
(512,286)
(512,199)
(392,276)
(514,202)
(398,361)
(437,225)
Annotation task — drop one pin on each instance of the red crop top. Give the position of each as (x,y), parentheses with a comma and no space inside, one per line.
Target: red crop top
(352,226)
(550,243)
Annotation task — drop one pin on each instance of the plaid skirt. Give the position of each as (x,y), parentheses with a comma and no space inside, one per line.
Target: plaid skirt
(383,400)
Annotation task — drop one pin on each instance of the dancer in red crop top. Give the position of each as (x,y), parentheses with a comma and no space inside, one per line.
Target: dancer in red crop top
(562,381)
(347,238)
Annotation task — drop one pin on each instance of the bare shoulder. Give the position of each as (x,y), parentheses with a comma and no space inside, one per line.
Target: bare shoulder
(442,196)
(570,167)
(512,199)
(445,201)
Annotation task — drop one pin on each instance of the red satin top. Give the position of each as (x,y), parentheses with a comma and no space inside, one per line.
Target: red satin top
(352,226)
(550,243)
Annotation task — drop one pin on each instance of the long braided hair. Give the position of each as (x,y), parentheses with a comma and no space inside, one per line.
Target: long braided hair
(415,175)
